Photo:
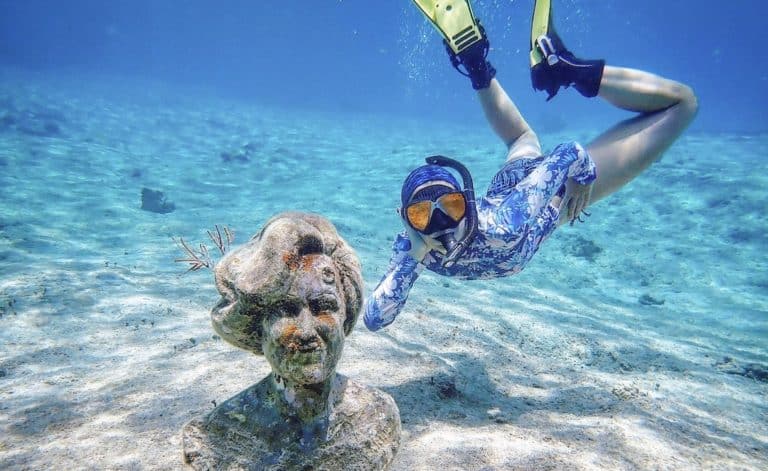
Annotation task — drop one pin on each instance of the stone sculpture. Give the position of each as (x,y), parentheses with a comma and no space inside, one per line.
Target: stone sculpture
(293,293)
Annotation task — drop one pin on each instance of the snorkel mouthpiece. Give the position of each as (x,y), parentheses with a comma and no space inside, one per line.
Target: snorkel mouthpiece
(448,241)
(456,248)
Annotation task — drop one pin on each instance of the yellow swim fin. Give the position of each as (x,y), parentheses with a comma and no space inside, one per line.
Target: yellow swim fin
(454,20)
(540,25)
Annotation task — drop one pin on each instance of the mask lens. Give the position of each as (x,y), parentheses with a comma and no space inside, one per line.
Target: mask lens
(419,214)
(454,205)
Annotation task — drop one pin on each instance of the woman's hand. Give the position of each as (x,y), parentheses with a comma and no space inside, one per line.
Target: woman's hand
(419,249)
(420,245)
(576,200)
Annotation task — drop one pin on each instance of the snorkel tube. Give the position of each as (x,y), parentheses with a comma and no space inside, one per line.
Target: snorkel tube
(456,249)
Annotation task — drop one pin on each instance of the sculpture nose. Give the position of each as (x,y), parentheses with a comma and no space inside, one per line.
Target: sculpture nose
(306,335)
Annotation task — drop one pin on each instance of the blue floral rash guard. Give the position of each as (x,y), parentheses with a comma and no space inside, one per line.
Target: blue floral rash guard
(514,217)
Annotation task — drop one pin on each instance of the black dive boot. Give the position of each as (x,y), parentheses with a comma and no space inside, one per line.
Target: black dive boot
(560,68)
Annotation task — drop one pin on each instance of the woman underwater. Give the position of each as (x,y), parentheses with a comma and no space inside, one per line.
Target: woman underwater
(448,232)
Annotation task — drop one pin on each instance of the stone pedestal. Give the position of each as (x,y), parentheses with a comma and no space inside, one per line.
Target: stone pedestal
(361,433)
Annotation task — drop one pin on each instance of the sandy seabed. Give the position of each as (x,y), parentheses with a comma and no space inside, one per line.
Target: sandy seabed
(634,341)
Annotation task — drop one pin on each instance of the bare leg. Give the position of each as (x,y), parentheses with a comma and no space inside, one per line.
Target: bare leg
(666,108)
(507,122)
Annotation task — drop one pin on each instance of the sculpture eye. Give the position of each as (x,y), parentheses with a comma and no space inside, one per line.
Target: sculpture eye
(328,276)
(288,308)
(324,304)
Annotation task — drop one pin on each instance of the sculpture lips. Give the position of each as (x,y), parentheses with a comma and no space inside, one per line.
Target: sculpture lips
(308,347)
(310,362)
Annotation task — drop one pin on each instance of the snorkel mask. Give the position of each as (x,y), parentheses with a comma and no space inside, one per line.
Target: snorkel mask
(434,205)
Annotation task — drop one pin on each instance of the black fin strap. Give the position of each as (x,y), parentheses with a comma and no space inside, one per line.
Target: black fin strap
(473,62)
(455,61)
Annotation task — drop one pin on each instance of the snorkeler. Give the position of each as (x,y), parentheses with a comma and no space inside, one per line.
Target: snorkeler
(451,233)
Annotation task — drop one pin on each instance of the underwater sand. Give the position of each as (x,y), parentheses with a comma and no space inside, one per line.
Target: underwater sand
(635,341)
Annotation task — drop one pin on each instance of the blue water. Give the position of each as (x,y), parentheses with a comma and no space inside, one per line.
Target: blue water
(633,341)
(352,55)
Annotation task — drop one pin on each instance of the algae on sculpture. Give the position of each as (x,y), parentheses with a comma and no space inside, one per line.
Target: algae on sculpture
(293,293)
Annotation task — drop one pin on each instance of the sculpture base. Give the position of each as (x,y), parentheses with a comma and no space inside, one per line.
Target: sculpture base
(362,432)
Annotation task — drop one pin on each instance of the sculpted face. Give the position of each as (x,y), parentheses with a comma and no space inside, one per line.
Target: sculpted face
(304,333)
(291,293)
